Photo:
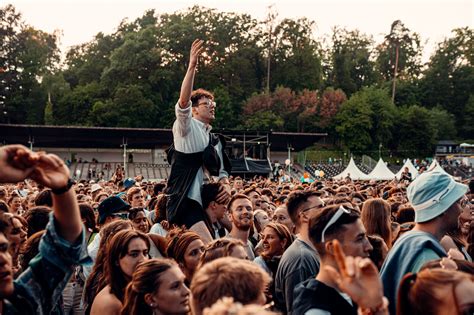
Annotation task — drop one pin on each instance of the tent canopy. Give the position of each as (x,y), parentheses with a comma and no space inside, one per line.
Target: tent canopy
(381,172)
(354,172)
(411,169)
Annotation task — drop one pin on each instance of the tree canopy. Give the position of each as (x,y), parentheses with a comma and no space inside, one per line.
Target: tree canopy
(340,84)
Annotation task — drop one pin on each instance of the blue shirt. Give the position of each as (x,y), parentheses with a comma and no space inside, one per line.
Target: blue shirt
(39,288)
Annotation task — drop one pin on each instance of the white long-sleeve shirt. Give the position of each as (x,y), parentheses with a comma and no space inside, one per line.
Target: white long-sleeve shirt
(190,136)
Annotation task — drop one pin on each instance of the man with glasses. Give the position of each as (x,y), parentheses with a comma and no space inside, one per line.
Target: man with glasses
(301,260)
(321,295)
(197,156)
(438,201)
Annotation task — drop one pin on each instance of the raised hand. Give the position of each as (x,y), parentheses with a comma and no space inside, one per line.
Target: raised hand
(50,171)
(358,277)
(17,162)
(196,50)
(223,197)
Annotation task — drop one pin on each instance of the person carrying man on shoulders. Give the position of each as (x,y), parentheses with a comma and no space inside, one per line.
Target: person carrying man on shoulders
(197,155)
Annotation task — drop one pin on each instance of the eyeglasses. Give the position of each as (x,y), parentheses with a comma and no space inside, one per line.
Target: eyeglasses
(333,220)
(463,202)
(121,215)
(208,104)
(322,205)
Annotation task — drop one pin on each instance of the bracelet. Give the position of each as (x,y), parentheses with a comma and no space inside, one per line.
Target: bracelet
(64,189)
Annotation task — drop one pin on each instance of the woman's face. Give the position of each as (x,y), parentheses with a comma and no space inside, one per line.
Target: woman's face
(466,217)
(140,222)
(17,232)
(272,244)
(137,252)
(281,216)
(15,204)
(262,219)
(192,255)
(172,296)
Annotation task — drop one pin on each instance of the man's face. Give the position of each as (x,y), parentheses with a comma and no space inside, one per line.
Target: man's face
(355,242)
(241,214)
(451,220)
(398,197)
(238,184)
(137,201)
(6,276)
(255,198)
(220,210)
(205,111)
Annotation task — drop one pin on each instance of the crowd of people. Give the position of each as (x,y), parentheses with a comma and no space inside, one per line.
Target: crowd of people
(206,242)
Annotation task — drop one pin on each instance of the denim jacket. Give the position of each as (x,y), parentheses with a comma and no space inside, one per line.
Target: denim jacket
(39,288)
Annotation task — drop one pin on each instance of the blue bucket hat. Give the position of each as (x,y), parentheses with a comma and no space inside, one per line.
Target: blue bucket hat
(129,182)
(432,193)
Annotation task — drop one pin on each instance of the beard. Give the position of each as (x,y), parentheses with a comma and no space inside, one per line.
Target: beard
(242,224)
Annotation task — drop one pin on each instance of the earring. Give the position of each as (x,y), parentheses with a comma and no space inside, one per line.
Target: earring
(152,304)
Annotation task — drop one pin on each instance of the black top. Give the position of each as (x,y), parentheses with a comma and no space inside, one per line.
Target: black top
(315,294)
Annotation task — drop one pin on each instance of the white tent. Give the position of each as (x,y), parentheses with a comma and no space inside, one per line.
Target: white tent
(381,172)
(436,167)
(353,171)
(411,168)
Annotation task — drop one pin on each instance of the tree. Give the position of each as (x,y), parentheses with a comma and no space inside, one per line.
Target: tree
(399,56)
(354,123)
(351,66)
(26,55)
(296,60)
(449,78)
(415,132)
(329,106)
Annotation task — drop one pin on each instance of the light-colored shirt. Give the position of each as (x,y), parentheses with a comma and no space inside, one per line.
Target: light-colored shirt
(190,136)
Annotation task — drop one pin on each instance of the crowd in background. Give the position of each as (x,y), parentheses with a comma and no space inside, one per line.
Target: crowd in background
(278,245)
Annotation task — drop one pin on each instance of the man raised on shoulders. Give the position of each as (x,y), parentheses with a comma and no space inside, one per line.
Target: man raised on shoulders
(197,156)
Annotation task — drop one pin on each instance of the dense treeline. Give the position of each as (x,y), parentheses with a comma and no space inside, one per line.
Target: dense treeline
(131,78)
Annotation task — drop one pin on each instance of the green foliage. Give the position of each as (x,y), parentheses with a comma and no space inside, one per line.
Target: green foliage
(416,130)
(48,114)
(409,48)
(350,57)
(371,114)
(132,78)
(354,123)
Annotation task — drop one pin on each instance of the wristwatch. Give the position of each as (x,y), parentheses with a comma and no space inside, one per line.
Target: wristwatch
(64,189)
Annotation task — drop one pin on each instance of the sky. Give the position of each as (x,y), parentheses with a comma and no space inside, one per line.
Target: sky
(80,20)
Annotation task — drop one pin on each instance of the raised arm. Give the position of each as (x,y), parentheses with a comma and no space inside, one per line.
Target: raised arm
(188,81)
(53,173)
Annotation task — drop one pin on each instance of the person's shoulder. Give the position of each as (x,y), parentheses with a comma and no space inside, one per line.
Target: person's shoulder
(106,303)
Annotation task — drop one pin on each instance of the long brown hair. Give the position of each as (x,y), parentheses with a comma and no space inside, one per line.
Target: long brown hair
(96,280)
(423,293)
(116,249)
(375,216)
(146,279)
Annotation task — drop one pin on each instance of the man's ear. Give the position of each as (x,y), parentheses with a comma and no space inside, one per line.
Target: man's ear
(329,247)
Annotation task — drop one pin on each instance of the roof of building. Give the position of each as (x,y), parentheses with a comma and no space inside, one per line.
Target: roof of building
(139,138)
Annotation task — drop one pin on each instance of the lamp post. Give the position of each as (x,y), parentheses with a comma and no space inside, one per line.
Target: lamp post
(124,145)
